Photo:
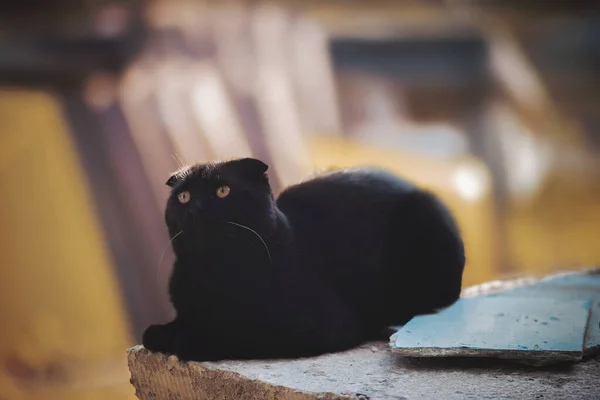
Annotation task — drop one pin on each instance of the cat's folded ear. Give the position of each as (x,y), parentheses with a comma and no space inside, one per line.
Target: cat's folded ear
(172,181)
(249,167)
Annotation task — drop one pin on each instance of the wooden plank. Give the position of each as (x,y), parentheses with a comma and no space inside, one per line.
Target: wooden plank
(499,326)
(270,28)
(523,86)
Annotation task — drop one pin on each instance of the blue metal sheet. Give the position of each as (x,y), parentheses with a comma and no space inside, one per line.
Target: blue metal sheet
(591,342)
(499,326)
(570,287)
(573,279)
(592,335)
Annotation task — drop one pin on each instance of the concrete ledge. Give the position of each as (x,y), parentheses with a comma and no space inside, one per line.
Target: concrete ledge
(157,376)
(371,370)
(368,372)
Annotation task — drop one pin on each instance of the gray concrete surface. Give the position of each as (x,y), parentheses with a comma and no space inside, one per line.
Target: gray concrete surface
(368,372)
(371,370)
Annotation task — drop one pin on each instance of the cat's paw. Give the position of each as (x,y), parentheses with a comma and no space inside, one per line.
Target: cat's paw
(160,338)
(173,339)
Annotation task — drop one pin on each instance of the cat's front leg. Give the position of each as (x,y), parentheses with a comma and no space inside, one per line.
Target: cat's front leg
(162,338)
(182,341)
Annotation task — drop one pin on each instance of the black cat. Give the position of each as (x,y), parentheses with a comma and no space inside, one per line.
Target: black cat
(329,265)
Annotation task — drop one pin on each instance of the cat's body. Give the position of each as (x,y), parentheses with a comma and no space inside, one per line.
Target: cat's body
(330,264)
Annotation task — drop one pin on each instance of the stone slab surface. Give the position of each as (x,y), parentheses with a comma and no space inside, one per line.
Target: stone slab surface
(368,372)
(371,370)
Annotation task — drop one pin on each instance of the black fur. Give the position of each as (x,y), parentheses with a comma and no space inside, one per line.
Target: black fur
(344,256)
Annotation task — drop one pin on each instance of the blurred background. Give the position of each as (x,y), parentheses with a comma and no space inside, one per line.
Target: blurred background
(493,105)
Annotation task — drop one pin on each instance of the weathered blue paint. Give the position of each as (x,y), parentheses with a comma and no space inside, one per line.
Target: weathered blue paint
(573,279)
(501,325)
(570,287)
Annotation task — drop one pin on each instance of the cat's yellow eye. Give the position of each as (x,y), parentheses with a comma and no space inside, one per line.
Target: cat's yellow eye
(223,191)
(184,197)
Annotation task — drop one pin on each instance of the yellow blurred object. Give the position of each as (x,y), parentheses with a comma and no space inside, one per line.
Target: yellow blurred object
(463,184)
(64,331)
(560,229)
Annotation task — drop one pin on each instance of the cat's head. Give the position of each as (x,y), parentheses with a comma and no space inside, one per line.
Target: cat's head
(206,197)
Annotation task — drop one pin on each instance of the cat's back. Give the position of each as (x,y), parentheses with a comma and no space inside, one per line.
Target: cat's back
(347,188)
(343,217)
(365,230)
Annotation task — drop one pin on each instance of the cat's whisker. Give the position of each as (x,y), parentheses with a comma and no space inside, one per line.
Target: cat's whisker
(163,254)
(256,233)
(178,161)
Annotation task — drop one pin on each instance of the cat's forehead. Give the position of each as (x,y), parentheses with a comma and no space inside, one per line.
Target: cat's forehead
(241,171)
(208,172)
(205,172)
